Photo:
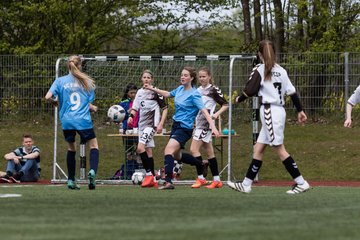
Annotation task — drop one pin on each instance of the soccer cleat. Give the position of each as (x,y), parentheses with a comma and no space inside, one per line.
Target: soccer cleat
(199,182)
(167,186)
(91,177)
(299,188)
(238,186)
(215,184)
(72,185)
(149,181)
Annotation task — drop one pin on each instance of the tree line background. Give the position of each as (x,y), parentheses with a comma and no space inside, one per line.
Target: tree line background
(169,27)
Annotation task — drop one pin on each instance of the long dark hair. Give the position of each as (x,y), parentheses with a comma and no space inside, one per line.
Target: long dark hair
(267,50)
(130,86)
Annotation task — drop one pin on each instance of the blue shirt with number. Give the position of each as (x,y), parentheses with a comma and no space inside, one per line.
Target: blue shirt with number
(74,103)
(187,105)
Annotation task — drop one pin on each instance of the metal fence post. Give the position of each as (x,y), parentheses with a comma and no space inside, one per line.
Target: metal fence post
(346,79)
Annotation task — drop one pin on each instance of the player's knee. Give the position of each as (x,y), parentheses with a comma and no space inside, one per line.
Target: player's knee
(93,143)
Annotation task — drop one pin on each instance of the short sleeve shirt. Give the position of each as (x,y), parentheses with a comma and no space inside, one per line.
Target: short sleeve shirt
(273,91)
(74,103)
(149,104)
(355,97)
(20,151)
(187,105)
(211,95)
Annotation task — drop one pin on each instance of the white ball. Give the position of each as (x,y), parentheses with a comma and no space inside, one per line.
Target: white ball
(137,177)
(116,113)
(177,168)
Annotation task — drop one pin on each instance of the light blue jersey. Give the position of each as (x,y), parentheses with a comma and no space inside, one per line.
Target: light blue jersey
(74,103)
(187,105)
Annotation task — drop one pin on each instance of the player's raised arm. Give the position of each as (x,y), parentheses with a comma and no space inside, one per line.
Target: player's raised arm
(159,91)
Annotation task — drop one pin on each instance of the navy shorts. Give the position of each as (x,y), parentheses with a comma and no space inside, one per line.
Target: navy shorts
(85,135)
(180,134)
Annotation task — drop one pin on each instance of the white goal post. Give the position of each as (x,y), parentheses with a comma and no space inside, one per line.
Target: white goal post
(112,73)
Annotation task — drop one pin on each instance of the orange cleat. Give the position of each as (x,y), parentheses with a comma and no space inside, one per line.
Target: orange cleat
(148,181)
(215,184)
(199,183)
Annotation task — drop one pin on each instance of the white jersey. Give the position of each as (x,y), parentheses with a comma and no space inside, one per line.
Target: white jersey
(210,95)
(355,97)
(148,103)
(273,91)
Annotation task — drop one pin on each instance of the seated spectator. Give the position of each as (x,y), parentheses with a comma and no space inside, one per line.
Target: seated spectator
(23,164)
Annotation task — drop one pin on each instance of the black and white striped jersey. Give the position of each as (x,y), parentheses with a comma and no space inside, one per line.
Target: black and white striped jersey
(271,91)
(211,95)
(148,103)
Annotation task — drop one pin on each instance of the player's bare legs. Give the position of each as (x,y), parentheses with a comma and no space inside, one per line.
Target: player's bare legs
(259,150)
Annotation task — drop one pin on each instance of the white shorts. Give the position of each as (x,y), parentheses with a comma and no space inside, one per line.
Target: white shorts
(146,137)
(204,135)
(273,125)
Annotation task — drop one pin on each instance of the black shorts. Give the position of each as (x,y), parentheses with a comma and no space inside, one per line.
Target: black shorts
(85,135)
(180,134)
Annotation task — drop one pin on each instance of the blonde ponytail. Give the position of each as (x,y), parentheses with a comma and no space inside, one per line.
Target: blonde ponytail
(74,65)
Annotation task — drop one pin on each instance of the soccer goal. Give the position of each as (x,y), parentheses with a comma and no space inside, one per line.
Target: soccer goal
(113,73)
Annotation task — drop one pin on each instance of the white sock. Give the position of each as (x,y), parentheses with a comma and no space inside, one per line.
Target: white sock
(247,182)
(216,178)
(201,177)
(300,180)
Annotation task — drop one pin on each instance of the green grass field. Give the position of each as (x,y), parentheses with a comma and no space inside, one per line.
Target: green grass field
(324,150)
(129,212)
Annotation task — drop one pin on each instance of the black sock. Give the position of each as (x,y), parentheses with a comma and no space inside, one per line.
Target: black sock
(190,159)
(151,165)
(213,166)
(94,159)
(199,166)
(145,161)
(71,164)
(8,173)
(254,168)
(169,166)
(291,167)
